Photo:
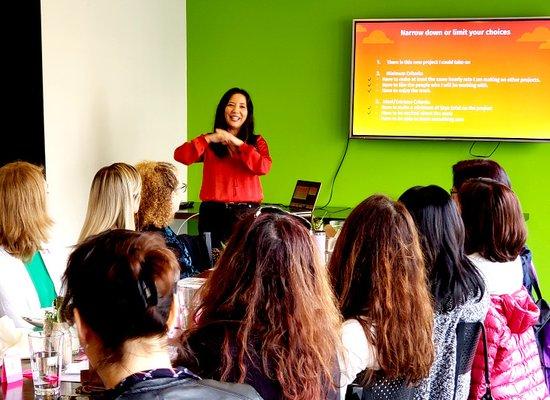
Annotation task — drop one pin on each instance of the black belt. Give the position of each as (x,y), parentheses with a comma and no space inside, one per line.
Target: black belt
(241,205)
(231,205)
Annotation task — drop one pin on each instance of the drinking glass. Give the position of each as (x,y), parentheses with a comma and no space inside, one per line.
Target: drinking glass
(46,359)
(331,240)
(187,298)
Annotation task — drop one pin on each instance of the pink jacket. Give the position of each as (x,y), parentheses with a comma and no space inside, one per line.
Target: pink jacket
(514,364)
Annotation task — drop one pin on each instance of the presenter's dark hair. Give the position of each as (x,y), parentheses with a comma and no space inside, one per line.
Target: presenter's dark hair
(479,168)
(246,132)
(452,276)
(121,282)
(495,227)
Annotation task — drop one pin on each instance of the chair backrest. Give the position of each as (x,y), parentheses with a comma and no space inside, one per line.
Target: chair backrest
(467,338)
(200,249)
(381,389)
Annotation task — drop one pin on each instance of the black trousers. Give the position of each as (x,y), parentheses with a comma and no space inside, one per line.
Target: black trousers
(220,218)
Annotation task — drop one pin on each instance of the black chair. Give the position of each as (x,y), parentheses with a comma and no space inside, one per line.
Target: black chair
(467,338)
(381,389)
(200,249)
(199,246)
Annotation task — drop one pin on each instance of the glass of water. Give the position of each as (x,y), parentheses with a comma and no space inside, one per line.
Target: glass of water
(46,356)
(187,298)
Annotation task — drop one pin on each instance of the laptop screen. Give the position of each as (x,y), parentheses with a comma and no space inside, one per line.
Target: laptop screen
(305,195)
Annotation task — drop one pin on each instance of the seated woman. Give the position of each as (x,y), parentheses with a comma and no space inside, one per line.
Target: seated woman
(485,168)
(119,293)
(114,200)
(495,236)
(379,278)
(456,285)
(267,316)
(30,270)
(161,195)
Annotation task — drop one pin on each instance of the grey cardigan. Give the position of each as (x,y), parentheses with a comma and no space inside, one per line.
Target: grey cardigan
(441,381)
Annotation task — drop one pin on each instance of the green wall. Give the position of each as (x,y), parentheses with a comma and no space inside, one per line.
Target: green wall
(293,56)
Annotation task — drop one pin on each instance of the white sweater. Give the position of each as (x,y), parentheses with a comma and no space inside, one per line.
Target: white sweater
(359,354)
(500,277)
(18,297)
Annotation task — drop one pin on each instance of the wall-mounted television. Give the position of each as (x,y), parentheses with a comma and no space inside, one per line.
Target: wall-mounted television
(463,79)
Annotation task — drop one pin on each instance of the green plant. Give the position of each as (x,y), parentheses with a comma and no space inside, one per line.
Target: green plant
(317,223)
(54,316)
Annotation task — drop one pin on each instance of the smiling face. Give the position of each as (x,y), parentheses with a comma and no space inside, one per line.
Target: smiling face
(236,113)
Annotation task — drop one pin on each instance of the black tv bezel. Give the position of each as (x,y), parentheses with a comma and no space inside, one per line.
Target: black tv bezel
(431,137)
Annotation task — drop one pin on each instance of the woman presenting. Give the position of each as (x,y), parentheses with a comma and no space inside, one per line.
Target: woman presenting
(233,159)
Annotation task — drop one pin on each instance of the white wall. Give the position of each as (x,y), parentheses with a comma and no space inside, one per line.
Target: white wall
(114,90)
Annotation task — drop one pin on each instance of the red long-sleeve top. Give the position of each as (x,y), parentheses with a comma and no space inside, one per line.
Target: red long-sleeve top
(234,178)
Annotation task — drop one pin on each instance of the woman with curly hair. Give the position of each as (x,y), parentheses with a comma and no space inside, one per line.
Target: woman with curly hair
(267,315)
(379,279)
(161,194)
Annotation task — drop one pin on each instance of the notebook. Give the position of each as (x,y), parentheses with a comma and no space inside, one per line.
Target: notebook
(304,197)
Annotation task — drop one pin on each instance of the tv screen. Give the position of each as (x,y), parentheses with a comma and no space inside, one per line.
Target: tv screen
(465,79)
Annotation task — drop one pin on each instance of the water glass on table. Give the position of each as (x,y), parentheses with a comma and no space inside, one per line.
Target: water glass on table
(46,359)
(187,298)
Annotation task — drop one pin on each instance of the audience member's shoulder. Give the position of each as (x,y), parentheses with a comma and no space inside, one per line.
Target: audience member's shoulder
(189,389)
(223,390)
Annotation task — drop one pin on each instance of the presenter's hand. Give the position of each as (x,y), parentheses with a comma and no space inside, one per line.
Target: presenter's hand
(224,137)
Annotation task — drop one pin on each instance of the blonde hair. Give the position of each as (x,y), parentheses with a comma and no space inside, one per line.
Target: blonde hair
(114,196)
(24,219)
(159,182)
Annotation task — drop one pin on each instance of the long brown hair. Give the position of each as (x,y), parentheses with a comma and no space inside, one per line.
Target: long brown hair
(379,279)
(495,226)
(270,283)
(24,220)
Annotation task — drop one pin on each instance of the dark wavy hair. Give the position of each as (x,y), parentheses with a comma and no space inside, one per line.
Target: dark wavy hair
(379,279)
(121,282)
(246,132)
(479,168)
(453,277)
(494,222)
(271,295)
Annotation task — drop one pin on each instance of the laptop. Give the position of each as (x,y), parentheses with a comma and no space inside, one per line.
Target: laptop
(304,198)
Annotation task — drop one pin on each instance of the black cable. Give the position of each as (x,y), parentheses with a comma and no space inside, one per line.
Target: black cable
(336,175)
(482,155)
(332,212)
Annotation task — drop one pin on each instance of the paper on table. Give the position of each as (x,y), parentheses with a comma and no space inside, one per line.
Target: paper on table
(13,341)
(72,372)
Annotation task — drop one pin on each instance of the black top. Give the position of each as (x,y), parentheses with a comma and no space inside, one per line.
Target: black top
(206,346)
(177,384)
(130,381)
(179,248)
